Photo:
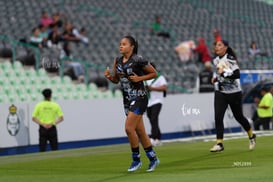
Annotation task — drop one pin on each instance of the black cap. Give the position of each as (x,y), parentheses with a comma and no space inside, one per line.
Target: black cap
(47,92)
(265,88)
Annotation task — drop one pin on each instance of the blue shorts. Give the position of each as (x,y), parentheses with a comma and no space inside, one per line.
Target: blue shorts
(137,106)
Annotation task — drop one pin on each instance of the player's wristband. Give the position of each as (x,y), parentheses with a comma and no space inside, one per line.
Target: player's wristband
(110,77)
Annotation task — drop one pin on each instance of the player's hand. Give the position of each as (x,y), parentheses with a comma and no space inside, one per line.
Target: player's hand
(134,77)
(220,70)
(148,88)
(107,73)
(213,80)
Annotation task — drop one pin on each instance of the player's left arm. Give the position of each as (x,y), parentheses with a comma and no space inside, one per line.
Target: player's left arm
(231,72)
(150,73)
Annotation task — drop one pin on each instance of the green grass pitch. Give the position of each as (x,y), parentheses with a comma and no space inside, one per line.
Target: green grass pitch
(180,161)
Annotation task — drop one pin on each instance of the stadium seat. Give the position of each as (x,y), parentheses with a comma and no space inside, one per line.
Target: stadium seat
(17,65)
(24,98)
(106,94)
(93,87)
(42,72)
(86,95)
(75,96)
(80,88)
(56,80)
(30,73)
(44,80)
(12,99)
(117,93)
(66,80)
(4,81)
(4,98)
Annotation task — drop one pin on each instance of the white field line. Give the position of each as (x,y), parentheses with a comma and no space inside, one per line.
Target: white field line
(227,136)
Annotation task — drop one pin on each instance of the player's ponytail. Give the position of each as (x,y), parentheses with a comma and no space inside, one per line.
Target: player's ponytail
(133,42)
(230,51)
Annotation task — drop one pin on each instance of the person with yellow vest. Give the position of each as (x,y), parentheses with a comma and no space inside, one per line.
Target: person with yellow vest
(47,115)
(264,110)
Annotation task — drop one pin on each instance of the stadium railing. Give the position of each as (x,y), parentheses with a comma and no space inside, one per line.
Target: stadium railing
(15,44)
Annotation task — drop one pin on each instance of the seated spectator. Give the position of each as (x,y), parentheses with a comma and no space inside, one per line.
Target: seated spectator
(56,20)
(157,30)
(78,72)
(217,35)
(35,39)
(45,19)
(54,38)
(81,35)
(69,35)
(202,50)
(254,51)
(43,34)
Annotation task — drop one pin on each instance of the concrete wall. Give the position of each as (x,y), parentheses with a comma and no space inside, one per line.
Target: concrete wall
(104,119)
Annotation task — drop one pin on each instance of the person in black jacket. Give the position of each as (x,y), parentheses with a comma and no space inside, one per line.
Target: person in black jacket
(205,77)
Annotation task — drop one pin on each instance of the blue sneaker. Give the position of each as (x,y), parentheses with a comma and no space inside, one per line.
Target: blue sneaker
(135,166)
(153,165)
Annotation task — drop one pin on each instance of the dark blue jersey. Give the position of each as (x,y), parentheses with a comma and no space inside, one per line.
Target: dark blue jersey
(131,90)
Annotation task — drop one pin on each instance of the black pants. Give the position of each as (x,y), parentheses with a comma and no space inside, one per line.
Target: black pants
(153,114)
(46,135)
(221,102)
(265,122)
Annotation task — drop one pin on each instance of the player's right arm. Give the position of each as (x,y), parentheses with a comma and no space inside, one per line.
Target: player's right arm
(113,78)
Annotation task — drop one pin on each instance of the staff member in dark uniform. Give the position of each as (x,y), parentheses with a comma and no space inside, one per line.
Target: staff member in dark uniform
(205,77)
(131,70)
(228,93)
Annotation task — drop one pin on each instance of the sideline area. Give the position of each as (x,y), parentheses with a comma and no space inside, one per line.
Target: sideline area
(227,136)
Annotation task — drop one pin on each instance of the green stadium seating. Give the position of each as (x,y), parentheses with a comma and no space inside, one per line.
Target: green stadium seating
(28,86)
(184,19)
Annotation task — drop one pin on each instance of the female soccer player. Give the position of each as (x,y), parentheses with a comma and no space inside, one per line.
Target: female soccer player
(131,70)
(228,92)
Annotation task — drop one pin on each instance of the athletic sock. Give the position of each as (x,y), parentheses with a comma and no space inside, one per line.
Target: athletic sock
(250,133)
(150,153)
(219,141)
(135,154)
